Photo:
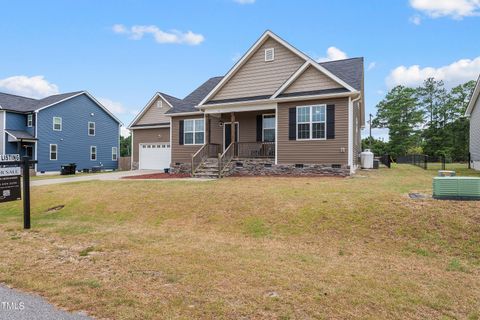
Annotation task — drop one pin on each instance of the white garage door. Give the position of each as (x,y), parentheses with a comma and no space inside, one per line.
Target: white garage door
(154,155)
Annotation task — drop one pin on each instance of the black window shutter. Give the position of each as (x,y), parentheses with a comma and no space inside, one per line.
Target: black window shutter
(292,124)
(180,133)
(33,118)
(259,127)
(331,121)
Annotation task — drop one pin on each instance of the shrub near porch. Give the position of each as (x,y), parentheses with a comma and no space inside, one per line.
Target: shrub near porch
(249,247)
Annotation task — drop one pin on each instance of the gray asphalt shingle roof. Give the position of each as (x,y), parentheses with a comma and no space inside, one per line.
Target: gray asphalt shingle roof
(20,134)
(349,70)
(195,97)
(23,104)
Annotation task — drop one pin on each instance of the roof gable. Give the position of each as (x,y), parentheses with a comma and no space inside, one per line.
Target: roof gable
(154,111)
(311,80)
(268,34)
(257,77)
(24,105)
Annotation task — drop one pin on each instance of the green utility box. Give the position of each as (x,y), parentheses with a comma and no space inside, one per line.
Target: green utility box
(456,188)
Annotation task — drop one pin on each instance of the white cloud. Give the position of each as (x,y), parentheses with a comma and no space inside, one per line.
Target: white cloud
(113,106)
(244,1)
(416,20)
(124,132)
(453,74)
(371,65)
(377,133)
(32,87)
(456,9)
(333,53)
(174,36)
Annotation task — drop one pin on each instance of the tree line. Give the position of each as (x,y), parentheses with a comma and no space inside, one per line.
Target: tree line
(427,120)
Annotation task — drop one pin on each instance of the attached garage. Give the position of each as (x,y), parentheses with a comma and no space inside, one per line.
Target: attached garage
(155,156)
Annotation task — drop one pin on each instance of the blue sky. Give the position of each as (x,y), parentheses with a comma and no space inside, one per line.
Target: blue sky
(109,47)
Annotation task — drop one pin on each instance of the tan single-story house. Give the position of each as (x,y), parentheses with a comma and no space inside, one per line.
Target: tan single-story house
(276,112)
(473,112)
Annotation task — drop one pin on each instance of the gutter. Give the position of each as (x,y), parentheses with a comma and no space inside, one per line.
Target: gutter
(277,100)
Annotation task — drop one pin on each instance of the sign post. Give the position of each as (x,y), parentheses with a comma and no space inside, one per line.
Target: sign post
(10,182)
(26,192)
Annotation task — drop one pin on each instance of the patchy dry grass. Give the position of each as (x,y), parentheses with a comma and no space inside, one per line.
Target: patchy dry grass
(284,248)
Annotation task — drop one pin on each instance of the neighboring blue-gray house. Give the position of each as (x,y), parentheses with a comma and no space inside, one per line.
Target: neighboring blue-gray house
(60,129)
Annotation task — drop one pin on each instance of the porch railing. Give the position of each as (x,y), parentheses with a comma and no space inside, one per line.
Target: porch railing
(208,150)
(255,149)
(225,158)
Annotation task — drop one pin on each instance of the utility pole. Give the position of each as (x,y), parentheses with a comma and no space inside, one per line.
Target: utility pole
(370,122)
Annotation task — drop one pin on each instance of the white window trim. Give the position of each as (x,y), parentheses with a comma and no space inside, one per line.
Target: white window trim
(92,153)
(194,131)
(30,120)
(273,54)
(311,122)
(94,129)
(114,154)
(274,126)
(61,124)
(56,152)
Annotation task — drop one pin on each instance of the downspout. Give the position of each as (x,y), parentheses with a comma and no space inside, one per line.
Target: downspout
(350,132)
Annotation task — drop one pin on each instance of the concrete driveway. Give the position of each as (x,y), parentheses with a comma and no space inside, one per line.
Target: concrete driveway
(89,177)
(16,305)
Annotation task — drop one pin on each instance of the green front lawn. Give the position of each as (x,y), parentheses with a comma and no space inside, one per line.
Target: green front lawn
(282,248)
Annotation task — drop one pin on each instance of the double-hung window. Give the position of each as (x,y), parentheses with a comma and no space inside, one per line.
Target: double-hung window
(93,153)
(311,122)
(91,128)
(268,126)
(193,131)
(57,124)
(114,154)
(53,152)
(30,120)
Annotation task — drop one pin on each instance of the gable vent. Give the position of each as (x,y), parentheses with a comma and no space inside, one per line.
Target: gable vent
(159,103)
(269,54)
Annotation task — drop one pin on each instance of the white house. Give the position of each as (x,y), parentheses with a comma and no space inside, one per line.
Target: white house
(473,111)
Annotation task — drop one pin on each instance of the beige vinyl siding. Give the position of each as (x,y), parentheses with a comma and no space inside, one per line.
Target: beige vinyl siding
(313,151)
(148,136)
(475,134)
(183,153)
(258,77)
(310,80)
(247,122)
(155,114)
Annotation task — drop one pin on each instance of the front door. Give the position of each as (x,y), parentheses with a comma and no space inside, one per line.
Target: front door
(227,134)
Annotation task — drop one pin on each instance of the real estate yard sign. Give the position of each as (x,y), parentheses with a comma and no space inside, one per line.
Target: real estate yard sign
(10,182)
(10,178)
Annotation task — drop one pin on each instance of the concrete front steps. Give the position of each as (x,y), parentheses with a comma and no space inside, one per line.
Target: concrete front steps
(208,169)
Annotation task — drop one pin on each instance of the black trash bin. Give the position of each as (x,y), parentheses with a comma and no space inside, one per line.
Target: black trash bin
(73,168)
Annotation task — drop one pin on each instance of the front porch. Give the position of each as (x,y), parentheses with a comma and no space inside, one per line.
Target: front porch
(252,136)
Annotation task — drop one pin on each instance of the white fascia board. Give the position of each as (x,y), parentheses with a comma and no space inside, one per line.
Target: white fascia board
(183,113)
(236,108)
(313,62)
(149,103)
(79,94)
(256,45)
(149,127)
(235,67)
(206,108)
(290,80)
(473,99)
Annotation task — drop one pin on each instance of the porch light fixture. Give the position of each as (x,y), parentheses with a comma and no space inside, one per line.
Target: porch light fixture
(220,123)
